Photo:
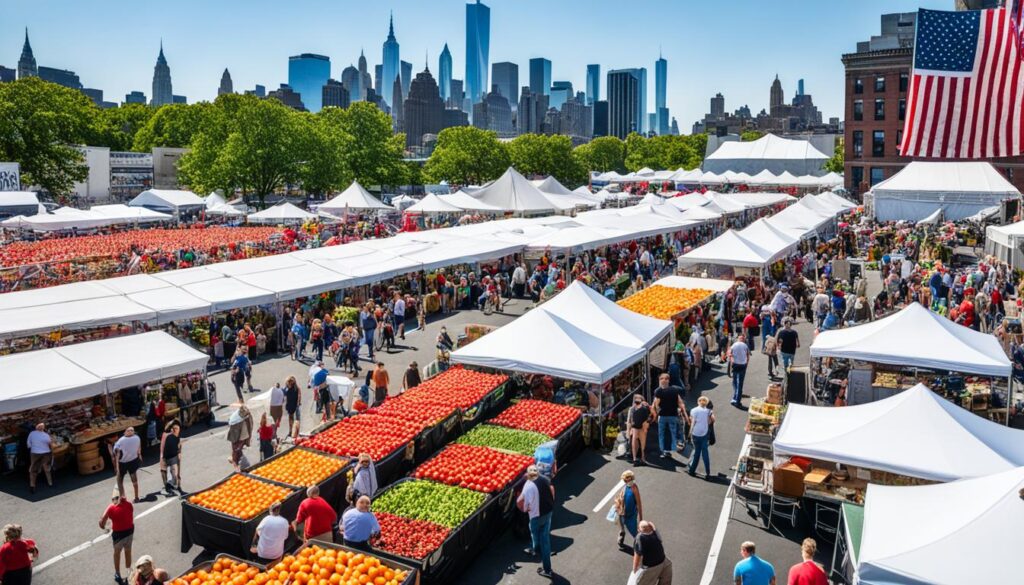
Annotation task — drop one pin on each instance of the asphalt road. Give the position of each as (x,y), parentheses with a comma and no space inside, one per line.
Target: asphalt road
(686,510)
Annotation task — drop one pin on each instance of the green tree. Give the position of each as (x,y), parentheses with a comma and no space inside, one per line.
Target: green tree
(467,156)
(539,154)
(40,123)
(374,152)
(751,135)
(116,128)
(325,144)
(603,154)
(172,125)
(641,152)
(835,164)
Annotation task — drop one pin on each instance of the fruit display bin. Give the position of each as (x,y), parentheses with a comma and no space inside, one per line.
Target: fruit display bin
(463,544)
(494,402)
(391,467)
(219,532)
(391,562)
(220,557)
(570,442)
(436,437)
(332,488)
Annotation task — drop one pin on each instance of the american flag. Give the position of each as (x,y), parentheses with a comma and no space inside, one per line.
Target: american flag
(966,93)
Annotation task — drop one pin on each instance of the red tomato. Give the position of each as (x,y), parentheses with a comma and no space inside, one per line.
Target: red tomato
(414,539)
(480,469)
(457,387)
(538,416)
(378,436)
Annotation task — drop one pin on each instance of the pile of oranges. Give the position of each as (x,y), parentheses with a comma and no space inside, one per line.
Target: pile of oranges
(664,302)
(240,496)
(224,571)
(300,467)
(310,566)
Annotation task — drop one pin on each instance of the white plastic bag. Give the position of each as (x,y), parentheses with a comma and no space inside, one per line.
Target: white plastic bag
(612,515)
(634,577)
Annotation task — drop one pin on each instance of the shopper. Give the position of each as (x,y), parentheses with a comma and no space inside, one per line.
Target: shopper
(368,323)
(770,348)
(292,401)
(298,335)
(16,556)
(146,573)
(628,507)
(701,420)
(398,312)
(240,427)
(316,337)
(322,393)
(411,379)
(807,572)
(277,402)
(271,534)
(668,403)
(538,501)
(751,569)
(638,419)
(239,366)
(364,480)
(789,341)
(381,380)
(739,355)
(266,437)
(316,516)
(359,525)
(170,456)
(650,564)
(751,325)
(121,515)
(127,457)
(40,453)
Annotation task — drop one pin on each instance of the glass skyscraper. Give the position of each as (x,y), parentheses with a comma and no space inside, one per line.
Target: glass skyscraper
(444,74)
(625,94)
(593,84)
(505,76)
(540,76)
(390,66)
(307,75)
(660,90)
(478,45)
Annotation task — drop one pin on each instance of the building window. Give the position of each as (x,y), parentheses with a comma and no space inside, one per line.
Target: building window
(858,143)
(879,109)
(880,83)
(904,81)
(877,144)
(858,110)
(858,85)
(903,108)
(858,176)
(877,175)
(899,139)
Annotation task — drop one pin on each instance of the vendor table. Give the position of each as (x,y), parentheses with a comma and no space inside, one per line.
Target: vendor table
(115,427)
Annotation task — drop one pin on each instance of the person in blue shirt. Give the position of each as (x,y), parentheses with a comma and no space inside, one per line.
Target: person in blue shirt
(358,525)
(299,338)
(752,570)
(239,368)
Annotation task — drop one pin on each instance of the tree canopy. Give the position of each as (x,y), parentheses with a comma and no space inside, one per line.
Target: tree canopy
(751,135)
(665,152)
(172,125)
(835,164)
(466,155)
(546,155)
(603,154)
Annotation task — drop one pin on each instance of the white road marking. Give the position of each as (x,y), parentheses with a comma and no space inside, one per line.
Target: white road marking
(609,496)
(716,542)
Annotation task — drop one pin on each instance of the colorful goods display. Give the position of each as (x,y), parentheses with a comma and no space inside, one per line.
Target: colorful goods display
(664,302)
(539,417)
(441,504)
(405,537)
(240,496)
(378,436)
(299,467)
(456,387)
(410,409)
(476,468)
(504,438)
(310,566)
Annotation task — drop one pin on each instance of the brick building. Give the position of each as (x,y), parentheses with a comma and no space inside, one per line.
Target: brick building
(877,81)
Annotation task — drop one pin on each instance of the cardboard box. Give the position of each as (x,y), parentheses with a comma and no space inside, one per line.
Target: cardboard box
(788,481)
(774,394)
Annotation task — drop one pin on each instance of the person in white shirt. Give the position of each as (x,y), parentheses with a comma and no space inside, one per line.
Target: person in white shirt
(127,457)
(739,355)
(271,534)
(519,281)
(399,315)
(277,405)
(40,451)
(701,419)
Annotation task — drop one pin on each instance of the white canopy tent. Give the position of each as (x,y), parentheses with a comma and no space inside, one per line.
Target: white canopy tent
(729,249)
(282,213)
(72,315)
(224,210)
(959,189)
(763,178)
(355,199)
(168,200)
(120,213)
(915,433)
(225,294)
(769,152)
(1005,242)
(432,203)
(690,282)
(770,237)
(551,186)
(171,304)
(832,179)
(916,337)
(926,535)
(214,199)
(574,240)
(295,282)
(783,179)
(24,203)
(66,218)
(512,192)
(467,202)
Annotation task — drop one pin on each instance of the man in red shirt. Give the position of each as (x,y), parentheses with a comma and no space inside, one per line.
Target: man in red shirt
(808,572)
(121,515)
(319,517)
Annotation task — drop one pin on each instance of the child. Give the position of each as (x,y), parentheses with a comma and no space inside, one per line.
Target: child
(266,435)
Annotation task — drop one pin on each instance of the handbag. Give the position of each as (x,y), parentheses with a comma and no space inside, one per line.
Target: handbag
(711,434)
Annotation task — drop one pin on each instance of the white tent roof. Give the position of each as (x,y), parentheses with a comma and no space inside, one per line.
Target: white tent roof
(18,199)
(818,206)
(917,337)
(768,236)
(432,204)
(689,201)
(761,199)
(123,285)
(67,218)
(726,203)
(72,315)
(700,214)
(832,179)
(171,304)
(258,264)
(914,433)
(467,202)
(121,213)
(40,378)
(294,282)
(551,186)
(167,199)
(800,217)
(837,199)
(225,294)
(284,213)
(948,177)
(369,268)
(768,147)
(656,207)
(576,239)
(927,534)
(513,192)
(214,199)
(763,178)
(709,178)
(729,249)
(54,295)
(188,275)
(783,178)
(540,342)
(224,209)
(460,251)
(589,310)
(354,198)
(690,282)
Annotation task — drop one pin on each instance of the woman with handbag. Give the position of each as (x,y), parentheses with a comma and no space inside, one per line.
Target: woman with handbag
(628,507)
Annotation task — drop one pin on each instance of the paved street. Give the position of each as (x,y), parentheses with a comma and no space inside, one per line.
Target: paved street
(686,510)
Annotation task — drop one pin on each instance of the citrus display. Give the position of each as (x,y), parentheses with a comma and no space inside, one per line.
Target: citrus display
(664,302)
(504,438)
(300,467)
(310,566)
(240,496)
(434,502)
(538,416)
(223,570)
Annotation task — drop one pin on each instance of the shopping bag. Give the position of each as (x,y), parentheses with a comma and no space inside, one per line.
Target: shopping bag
(612,515)
(634,577)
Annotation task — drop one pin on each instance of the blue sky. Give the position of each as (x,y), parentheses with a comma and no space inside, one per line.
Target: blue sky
(731,46)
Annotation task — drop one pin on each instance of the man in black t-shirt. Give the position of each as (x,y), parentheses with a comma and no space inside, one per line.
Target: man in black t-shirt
(668,403)
(649,557)
(788,342)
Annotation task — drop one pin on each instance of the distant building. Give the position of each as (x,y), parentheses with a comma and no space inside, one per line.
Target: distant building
(625,113)
(444,73)
(561,92)
(165,167)
(454,117)
(135,97)
(494,113)
(378,73)
(27,62)
(96,95)
(540,76)
(406,78)
(334,94)
(423,109)
(163,93)
(776,97)
(674,130)
(365,81)
(505,76)
(60,77)
(531,111)
(600,118)
(718,106)
(576,120)
(457,97)
(593,83)
(390,66)
(351,81)
(258,91)
(287,96)
(307,74)
(397,109)
(660,96)
(179,99)
(226,86)
(374,98)
(7,74)
(478,43)
(131,173)
(95,188)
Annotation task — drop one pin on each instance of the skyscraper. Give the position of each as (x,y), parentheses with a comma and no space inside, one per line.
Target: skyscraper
(561,92)
(135,97)
(775,97)
(718,106)
(307,75)
(351,81)
(505,77)
(660,94)
(531,111)
(576,119)
(390,65)
(225,83)
(365,81)
(624,111)
(444,73)
(643,100)
(406,78)
(287,96)
(457,95)
(540,76)
(800,87)
(478,44)
(162,92)
(334,94)
(593,83)
(424,110)
(27,62)
(494,113)
(398,109)
(60,77)
(7,74)
(600,118)
(378,74)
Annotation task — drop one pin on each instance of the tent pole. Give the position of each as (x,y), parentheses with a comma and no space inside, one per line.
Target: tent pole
(1009,396)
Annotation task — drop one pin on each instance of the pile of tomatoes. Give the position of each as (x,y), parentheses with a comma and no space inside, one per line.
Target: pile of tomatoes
(480,469)
(538,416)
(412,410)
(457,387)
(378,436)
(405,537)
(240,496)
(300,467)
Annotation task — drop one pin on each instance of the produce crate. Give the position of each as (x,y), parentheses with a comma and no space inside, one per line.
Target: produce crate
(491,404)
(332,488)
(220,557)
(435,437)
(413,578)
(391,467)
(221,533)
(570,442)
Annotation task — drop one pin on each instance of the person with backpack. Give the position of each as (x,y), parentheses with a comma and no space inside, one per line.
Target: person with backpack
(638,419)
(629,507)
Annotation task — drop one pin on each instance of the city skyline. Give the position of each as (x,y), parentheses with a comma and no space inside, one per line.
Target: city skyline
(198,54)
